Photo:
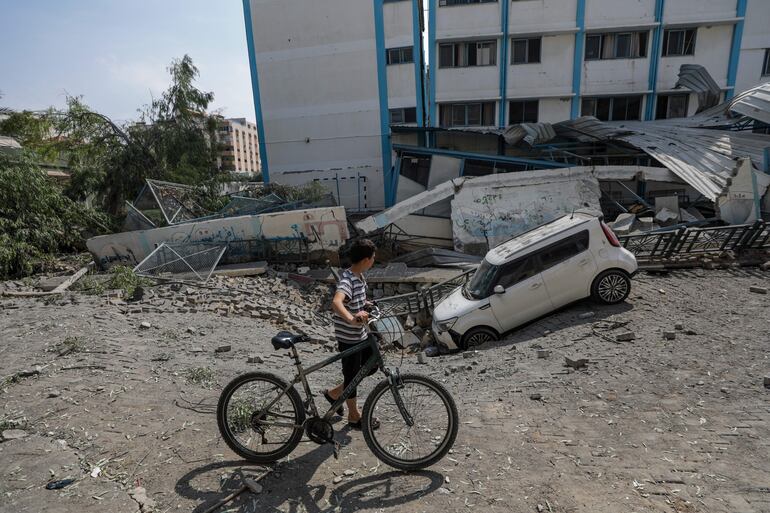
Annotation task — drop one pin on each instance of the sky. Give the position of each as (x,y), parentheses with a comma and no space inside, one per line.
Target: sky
(115,54)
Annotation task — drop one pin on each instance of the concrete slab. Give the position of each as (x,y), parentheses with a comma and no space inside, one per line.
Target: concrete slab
(247,269)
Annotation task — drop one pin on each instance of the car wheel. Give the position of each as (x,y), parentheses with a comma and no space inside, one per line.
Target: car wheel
(611,287)
(477,336)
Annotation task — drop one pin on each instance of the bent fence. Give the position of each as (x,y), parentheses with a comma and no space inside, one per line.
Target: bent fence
(698,241)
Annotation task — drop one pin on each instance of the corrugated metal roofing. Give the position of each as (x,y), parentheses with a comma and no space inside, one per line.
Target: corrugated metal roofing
(697,79)
(705,159)
(753,103)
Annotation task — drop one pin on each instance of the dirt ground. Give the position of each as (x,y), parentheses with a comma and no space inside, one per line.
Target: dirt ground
(650,424)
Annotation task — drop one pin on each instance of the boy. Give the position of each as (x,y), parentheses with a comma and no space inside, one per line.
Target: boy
(350,320)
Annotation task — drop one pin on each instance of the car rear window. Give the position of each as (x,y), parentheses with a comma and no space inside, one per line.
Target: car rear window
(563,250)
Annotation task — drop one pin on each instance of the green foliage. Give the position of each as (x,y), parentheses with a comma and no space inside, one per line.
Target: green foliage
(202,376)
(37,220)
(125,279)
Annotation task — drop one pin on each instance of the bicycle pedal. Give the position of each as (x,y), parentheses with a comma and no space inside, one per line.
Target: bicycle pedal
(336,450)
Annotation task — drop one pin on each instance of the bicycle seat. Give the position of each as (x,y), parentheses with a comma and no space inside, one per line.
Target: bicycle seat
(285,340)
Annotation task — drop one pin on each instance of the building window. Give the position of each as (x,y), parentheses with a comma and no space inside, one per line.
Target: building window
(468,114)
(444,3)
(526,51)
(470,53)
(766,65)
(400,55)
(416,168)
(679,42)
(671,106)
(613,108)
(619,45)
(406,115)
(524,111)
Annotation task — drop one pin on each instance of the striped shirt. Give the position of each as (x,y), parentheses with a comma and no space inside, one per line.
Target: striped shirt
(354,289)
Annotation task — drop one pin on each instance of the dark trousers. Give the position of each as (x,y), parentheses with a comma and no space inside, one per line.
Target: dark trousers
(352,364)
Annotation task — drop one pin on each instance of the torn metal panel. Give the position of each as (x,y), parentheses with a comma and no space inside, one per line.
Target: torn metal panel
(319,230)
(697,79)
(753,103)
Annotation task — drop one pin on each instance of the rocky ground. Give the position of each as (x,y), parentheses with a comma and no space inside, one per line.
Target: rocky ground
(120,397)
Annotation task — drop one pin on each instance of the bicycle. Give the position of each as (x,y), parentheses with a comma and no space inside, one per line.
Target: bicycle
(262,418)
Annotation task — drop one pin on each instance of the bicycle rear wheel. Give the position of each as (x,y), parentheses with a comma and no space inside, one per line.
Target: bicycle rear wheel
(411,447)
(248,429)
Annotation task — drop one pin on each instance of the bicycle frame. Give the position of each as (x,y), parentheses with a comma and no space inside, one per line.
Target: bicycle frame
(375,361)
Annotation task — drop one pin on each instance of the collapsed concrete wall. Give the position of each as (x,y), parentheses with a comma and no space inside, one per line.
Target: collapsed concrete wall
(491,209)
(324,228)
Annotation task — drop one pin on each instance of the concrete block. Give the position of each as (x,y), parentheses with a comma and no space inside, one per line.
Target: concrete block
(255,359)
(623,223)
(223,349)
(679,326)
(669,335)
(767,381)
(543,353)
(625,337)
(758,290)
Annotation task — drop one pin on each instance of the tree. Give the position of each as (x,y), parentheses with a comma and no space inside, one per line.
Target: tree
(174,140)
(36,219)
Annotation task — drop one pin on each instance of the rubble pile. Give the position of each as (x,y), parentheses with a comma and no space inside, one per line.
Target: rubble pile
(272,299)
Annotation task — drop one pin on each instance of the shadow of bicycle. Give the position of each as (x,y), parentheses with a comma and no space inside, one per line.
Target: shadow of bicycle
(288,483)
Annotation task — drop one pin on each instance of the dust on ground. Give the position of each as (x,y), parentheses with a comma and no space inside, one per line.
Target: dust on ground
(121,396)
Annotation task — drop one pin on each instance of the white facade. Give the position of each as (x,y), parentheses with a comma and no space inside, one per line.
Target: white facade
(323,90)
(627,38)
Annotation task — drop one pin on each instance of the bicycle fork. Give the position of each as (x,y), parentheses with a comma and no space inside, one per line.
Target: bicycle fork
(396,384)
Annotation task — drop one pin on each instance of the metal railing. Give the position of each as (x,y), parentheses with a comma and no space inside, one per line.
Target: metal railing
(425,299)
(698,241)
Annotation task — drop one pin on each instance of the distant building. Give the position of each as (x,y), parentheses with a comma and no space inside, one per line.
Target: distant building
(239,151)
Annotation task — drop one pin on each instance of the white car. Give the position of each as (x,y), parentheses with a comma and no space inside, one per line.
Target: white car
(571,258)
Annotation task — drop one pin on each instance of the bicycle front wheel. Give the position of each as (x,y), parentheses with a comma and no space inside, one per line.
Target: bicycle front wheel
(432,434)
(251,429)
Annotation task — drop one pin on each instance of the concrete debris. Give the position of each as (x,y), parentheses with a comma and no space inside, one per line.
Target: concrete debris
(323,230)
(13,434)
(576,364)
(223,349)
(145,325)
(666,217)
(669,335)
(139,494)
(767,381)
(543,353)
(758,290)
(623,224)
(255,359)
(625,337)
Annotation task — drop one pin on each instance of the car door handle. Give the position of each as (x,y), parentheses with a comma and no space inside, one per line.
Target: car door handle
(534,285)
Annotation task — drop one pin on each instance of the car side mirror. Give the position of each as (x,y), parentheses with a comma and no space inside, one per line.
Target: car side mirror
(499,289)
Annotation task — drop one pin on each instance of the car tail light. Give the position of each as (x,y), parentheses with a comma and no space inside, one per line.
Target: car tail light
(611,237)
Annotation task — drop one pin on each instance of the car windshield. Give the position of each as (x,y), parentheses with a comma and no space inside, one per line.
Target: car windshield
(478,286)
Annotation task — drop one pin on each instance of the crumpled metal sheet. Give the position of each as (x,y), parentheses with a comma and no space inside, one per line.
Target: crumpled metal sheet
(753,103)
(697,79)
(530,133)
(705,159)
